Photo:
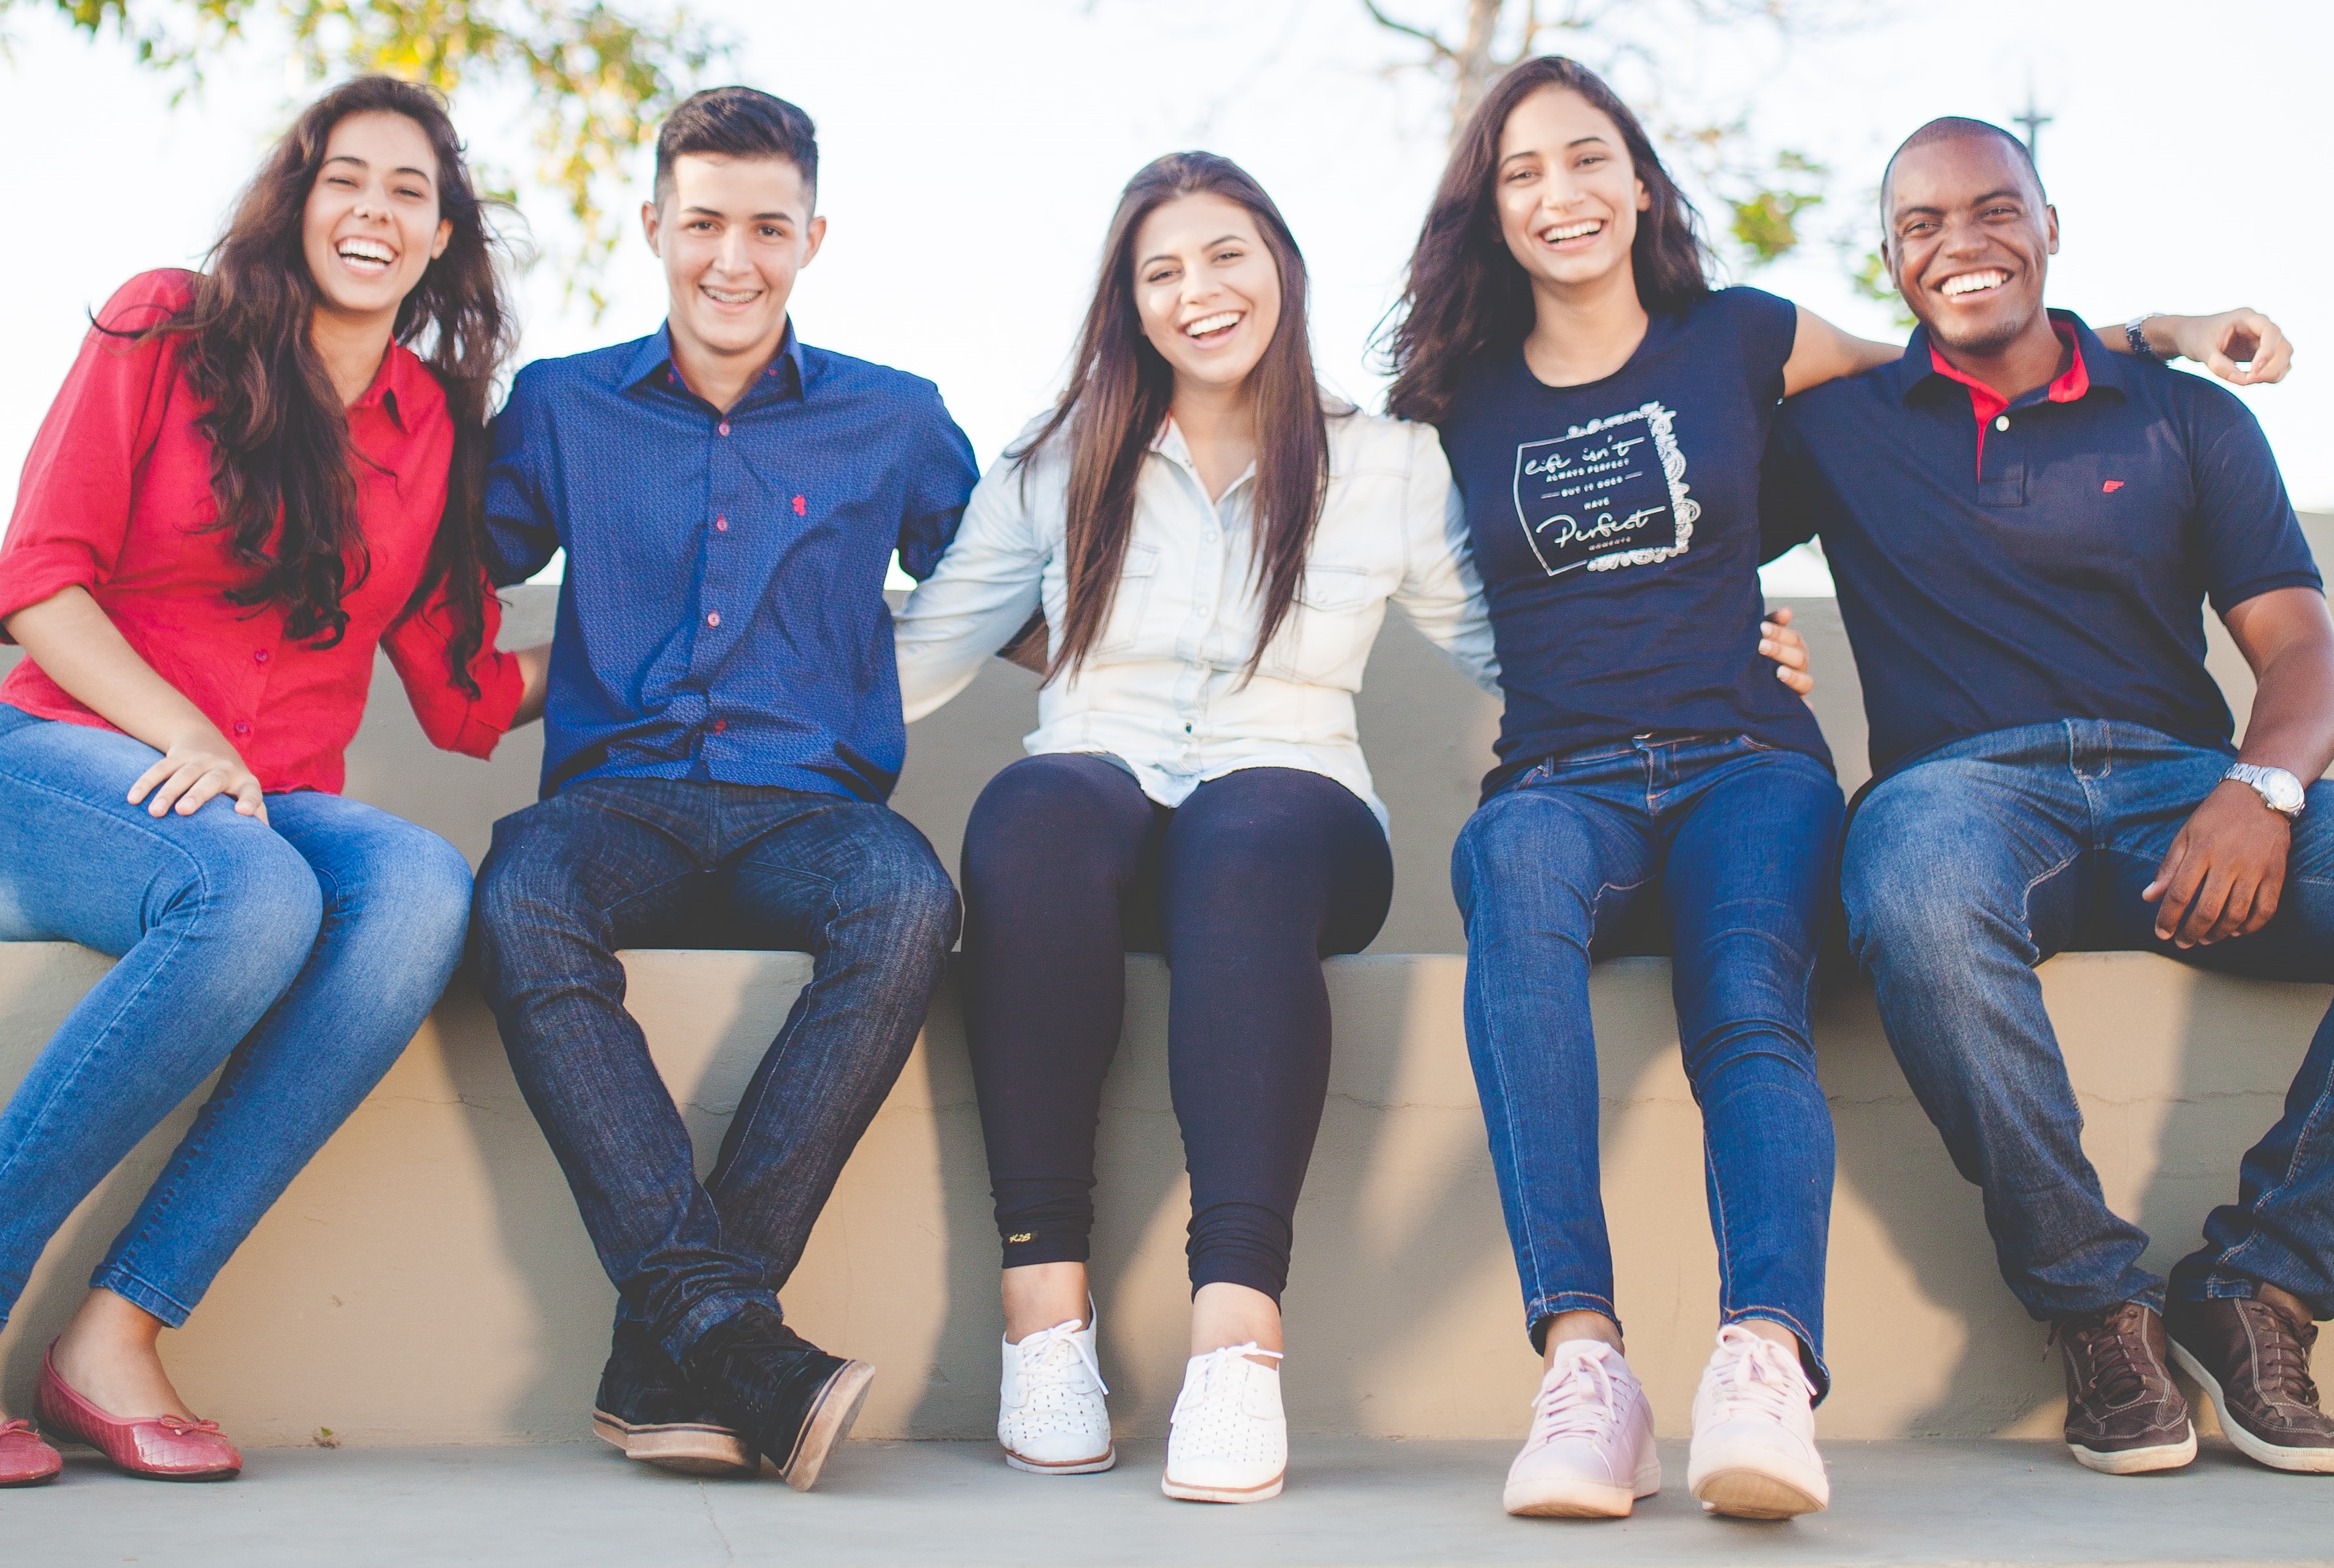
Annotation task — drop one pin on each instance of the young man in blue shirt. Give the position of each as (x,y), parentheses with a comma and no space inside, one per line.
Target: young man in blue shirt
(2024,530)
(722,731)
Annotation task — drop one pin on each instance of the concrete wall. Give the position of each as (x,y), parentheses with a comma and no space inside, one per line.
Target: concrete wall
(426,1280)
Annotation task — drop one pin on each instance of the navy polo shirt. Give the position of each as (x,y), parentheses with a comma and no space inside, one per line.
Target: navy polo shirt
(723,614)
(2057,571)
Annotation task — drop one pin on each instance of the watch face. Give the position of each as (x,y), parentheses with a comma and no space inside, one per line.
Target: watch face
(2283,790)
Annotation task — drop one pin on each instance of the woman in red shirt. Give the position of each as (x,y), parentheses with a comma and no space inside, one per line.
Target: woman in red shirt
(250,481)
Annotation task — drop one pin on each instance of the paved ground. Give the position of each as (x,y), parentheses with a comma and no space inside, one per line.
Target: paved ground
(1348,1503)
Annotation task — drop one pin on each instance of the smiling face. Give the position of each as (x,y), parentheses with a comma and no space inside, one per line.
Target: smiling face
(371,225)
(1207,290)
(1968,241)
(733,234)
(1568,196)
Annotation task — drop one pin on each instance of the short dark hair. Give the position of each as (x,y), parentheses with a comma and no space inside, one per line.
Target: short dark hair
(1958,128)
(737,122)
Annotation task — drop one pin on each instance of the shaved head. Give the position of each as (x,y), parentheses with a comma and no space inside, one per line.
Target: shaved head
(1956,128)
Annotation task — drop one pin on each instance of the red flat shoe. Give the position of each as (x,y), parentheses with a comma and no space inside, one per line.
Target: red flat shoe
(160,1447)
(25,1459)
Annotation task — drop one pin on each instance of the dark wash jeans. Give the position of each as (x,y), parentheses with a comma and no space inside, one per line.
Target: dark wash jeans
(1732,846)
(611,864)
(1973,865)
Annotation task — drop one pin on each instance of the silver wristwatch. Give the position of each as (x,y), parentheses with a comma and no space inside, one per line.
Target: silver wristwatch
(2279,790)
(2135,336)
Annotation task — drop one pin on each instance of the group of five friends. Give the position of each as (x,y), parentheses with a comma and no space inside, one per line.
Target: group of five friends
(256,475)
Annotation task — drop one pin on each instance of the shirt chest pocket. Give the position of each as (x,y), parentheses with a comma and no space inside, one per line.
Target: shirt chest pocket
(1330,626)
(1132,600)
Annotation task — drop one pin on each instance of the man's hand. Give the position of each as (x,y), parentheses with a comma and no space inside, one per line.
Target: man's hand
(2242,347)
(1778,642)
(2226,870)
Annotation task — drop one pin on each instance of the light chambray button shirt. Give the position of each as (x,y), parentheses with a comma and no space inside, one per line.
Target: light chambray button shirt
(1162,687)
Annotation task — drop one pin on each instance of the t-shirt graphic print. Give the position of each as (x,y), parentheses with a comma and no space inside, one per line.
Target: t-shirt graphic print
(1616,525)
(1608,494)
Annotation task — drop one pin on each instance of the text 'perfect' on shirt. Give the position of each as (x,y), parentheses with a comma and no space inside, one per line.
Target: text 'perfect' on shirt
(1165,688)
(117,500)
(2002,562)
(1616,525)
(722,615)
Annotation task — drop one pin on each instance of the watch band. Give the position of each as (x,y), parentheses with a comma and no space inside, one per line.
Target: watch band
(2135,334)
(2279,790)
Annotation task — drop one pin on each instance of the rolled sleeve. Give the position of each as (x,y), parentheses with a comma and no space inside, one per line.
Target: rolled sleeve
(521,533)
(420,648)
(944,476)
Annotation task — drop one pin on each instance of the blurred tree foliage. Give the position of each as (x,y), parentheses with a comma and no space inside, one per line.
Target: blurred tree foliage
(1766,192)
(595,81)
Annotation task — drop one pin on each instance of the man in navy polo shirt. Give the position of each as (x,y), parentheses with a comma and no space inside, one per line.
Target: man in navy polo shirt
(722,731)
(2024,530)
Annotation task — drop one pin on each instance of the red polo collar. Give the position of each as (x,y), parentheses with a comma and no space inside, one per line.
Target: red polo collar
(1988,404)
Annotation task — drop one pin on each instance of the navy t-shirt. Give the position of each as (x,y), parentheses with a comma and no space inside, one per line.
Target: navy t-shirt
(2058,571)
(1616,525)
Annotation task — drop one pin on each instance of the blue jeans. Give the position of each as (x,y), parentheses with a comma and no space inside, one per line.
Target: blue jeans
(626,863)
(1971,867)
(1731,846)
(302,953)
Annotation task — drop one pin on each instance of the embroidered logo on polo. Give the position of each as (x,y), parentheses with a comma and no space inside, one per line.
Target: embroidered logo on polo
(1608,494)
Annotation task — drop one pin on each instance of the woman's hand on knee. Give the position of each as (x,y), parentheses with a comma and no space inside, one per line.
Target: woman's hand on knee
(192,769)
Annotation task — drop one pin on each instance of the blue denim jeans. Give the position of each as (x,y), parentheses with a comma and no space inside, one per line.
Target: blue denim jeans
(301,953)
(1968,869)
(1730,847)
(625,862)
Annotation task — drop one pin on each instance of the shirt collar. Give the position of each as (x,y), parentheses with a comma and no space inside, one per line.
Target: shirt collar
(2093,368)
(392,391)
(652,356)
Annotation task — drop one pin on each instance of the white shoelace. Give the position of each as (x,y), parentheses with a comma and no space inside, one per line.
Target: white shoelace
(1212,1367)
(1757,1375)
(1582,1404)
(1038,1347)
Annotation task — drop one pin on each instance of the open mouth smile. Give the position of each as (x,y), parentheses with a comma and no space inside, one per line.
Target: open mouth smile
(1558,233)
(366,257)
(1961,285)
(721,296)
(1214,329)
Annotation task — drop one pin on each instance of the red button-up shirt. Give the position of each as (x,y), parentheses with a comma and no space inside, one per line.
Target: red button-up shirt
(116,499)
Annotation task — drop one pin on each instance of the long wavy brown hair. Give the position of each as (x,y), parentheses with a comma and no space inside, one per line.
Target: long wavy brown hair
(1119,393)
(1466,295)
(281,470)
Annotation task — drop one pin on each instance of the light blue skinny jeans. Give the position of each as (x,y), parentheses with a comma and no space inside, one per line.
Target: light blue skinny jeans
(301,953)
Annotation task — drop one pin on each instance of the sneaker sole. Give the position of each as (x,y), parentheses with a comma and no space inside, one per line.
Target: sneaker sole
(1176,1489)
(1746,1493)
(831,1415)
(1577,1499)
(2137,1461)
(1065,1466)
(693,1448)
(2304,1462)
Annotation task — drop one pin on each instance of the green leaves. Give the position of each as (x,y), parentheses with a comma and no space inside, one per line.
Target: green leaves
(596,81)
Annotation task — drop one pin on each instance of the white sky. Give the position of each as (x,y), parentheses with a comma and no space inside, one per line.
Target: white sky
(972,154)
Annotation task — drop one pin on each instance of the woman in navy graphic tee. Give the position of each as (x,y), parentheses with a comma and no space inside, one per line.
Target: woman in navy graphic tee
(1605,410)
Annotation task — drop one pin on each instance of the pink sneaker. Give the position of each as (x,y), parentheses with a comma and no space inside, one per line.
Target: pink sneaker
(1590,1454)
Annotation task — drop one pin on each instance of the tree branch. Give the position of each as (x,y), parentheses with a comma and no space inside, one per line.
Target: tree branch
(1443,51)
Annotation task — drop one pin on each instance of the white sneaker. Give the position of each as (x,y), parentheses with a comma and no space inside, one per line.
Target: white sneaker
(1050,1414)
(1229,1441)
(1590,1454)
(1754,1432)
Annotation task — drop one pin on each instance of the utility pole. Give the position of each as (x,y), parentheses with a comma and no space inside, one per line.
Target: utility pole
(2033,120)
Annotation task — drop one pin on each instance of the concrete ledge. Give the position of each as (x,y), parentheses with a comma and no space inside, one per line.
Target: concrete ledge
(426,1280)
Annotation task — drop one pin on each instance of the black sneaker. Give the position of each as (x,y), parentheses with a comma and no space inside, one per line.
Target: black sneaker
(790,1399)
(2124,1415)
(2252,1357)
(646,1408)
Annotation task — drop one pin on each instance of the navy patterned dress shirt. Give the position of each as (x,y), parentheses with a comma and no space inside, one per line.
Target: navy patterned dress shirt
(723,614)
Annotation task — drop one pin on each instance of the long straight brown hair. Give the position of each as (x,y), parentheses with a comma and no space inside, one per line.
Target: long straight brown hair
(1466,295)
(280,470)
(1119,393)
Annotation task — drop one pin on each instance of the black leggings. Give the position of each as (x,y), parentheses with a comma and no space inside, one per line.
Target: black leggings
(1248,885)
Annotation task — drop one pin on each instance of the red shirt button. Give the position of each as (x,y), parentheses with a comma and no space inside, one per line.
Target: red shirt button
(714,618)
(241,727)
(260,656)
(725,427)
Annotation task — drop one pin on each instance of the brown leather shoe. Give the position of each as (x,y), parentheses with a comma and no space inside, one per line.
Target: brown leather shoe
(2124,1415)
(2251,1359)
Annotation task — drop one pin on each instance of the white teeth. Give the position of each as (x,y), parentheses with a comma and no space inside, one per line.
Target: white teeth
(1971,282)
(1571,230)
(366,250)
(730,296)
(1214,323)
